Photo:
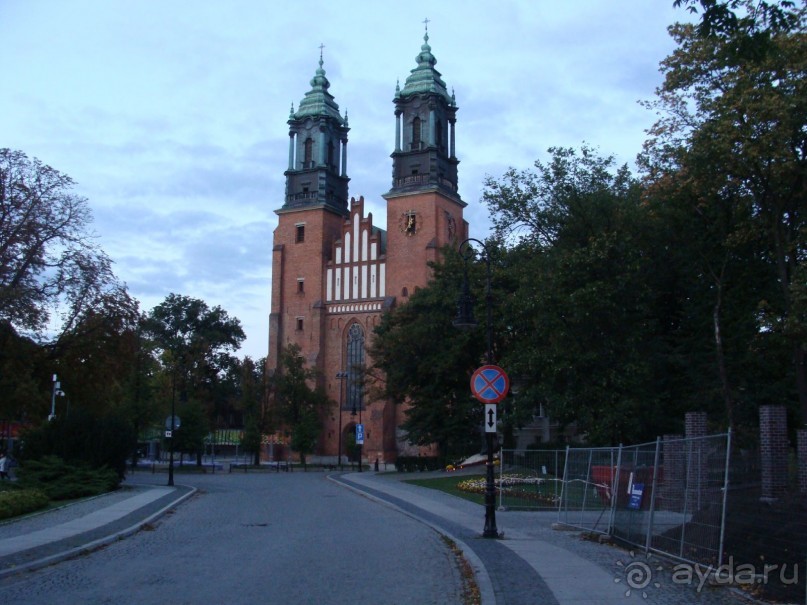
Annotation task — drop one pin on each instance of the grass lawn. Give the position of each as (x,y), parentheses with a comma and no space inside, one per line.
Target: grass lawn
(449,485)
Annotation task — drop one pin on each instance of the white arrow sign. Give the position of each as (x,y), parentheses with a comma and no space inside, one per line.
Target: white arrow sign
(490,417)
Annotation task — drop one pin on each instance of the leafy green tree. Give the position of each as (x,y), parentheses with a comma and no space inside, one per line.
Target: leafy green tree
(194,427)
(252,403)
(193,344)
(729,151)
(299,405)
(23,394)
(580,321)
(422,361)
(97,357)
(48,259)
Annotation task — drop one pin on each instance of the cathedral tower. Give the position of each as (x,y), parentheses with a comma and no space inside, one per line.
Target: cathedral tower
(424,209)
(314,208)
(334,273)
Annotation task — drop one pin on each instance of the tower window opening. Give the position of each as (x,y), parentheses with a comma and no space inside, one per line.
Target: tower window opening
(416,134)
(301,286)
(439,135)
(331,164)
(299,236)
(299,324)
(308,153)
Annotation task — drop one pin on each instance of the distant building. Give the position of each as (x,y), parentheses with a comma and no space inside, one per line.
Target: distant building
(334,273)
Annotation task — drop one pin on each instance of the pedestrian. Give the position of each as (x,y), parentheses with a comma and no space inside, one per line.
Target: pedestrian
(3,466)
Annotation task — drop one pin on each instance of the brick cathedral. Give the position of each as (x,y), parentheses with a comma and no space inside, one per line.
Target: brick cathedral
(334,273)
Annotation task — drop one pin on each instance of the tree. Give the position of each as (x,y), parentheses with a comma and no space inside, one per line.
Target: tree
(252,403)
(580,328)
(731,147)
(194,427)
(48,261)
(421,360)
(193,343)
(298,405)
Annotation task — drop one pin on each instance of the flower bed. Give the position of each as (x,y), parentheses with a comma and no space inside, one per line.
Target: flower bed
(513,485)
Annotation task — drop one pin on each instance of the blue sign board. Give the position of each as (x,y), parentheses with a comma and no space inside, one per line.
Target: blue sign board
(359,434)
(636,492)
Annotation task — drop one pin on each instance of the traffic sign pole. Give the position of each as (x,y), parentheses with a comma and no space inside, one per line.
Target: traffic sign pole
(490,385)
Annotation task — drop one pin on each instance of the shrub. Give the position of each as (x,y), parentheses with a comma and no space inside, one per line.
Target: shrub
(82,439)
(59,480)
(411,464)
(16,502)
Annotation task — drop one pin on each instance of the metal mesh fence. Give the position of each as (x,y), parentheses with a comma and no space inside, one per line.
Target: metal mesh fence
(531,479)
(667,496)
(587,497)
(674,497)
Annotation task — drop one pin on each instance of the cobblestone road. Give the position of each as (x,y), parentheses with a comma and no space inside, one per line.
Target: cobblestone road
(257,538)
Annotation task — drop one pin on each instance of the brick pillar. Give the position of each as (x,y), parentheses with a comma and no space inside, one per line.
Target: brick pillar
(695,467)
(802,460)
(696,424)
(773,450)
(674,473)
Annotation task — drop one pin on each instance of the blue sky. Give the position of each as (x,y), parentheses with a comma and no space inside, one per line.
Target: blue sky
(171,115)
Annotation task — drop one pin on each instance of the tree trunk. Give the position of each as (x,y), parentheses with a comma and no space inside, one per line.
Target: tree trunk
(728,400)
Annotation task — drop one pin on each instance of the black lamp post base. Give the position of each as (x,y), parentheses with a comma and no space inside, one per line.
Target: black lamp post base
(490,530)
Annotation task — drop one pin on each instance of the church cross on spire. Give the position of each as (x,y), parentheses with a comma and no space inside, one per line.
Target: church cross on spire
(321,46)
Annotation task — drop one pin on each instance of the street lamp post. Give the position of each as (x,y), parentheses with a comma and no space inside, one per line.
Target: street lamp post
(57,392)
(465,320)
(340,376)
(173,430)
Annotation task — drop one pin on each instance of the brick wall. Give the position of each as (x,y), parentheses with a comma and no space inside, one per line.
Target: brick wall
(674,474)
(773,447)
(696,424)
(802,460)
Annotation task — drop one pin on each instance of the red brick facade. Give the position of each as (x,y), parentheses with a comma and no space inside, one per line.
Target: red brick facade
(334,273)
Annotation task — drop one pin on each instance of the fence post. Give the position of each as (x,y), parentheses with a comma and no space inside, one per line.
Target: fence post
(563,487)
(585,489)
(686,496)
(501,479)
(614,486)
(725,497)
(649,534)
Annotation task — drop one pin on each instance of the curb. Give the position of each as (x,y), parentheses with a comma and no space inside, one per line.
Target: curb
(483,581)
(96,544)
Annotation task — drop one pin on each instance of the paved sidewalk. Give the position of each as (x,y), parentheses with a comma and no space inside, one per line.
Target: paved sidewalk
(42,539)
(532,563)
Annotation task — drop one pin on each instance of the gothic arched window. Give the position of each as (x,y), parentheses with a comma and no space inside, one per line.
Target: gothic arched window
(355,368)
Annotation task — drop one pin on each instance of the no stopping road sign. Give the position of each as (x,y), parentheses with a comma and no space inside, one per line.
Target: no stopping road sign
(490,384)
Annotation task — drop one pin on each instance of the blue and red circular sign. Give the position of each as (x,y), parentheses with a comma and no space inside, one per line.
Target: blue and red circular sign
(490,384)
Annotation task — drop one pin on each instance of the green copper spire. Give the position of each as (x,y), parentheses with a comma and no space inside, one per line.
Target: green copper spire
(318,101)
(424,79)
